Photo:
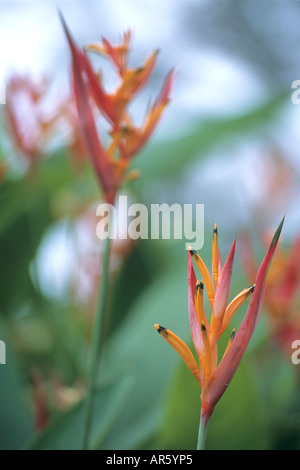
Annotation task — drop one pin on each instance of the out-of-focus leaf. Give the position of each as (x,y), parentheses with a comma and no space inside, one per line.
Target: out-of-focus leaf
(26,213)
(278,381)
(18,246)
(50,337)
(238,419)
(165,159)
(16,421)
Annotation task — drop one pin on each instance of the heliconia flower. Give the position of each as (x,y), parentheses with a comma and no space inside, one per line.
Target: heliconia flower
(214,378)
(132,79)
(30,119)
(111,163)
(282,290)
(117,54)
(131,139)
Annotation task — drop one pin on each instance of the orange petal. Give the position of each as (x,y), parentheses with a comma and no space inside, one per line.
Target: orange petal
(205,274)
(234,306)
(181,348)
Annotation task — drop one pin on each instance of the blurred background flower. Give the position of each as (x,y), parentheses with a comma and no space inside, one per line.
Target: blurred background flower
(229,140)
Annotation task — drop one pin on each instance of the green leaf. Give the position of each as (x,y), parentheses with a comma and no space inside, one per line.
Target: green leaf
(16,421)
(167,158)
(26,213)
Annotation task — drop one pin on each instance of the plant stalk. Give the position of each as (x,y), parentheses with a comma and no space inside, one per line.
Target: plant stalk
(97,343)
(202,432)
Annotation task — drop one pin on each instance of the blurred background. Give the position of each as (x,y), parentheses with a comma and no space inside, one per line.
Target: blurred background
(229,139)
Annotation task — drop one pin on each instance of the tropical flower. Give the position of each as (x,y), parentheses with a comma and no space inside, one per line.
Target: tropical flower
(31,119)
(214,378)
(126,139)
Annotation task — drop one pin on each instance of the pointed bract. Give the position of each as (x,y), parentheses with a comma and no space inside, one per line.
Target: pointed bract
(223,374)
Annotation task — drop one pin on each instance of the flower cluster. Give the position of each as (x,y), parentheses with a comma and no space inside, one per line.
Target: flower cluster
(213,377)
(111,163)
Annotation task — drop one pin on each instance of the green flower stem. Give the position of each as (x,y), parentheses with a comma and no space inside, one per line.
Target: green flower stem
(202,432)
(97,343)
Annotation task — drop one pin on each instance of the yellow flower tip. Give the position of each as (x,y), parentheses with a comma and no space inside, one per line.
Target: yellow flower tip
(193,252)
(231,338)
(249,290)
(139,69)
(160,329)
(199,286)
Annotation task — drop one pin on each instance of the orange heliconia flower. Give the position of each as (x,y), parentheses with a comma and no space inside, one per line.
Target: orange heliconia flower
(213,377)
(126,139)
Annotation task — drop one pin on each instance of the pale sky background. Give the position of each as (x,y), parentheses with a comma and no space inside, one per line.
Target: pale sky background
(32,41)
